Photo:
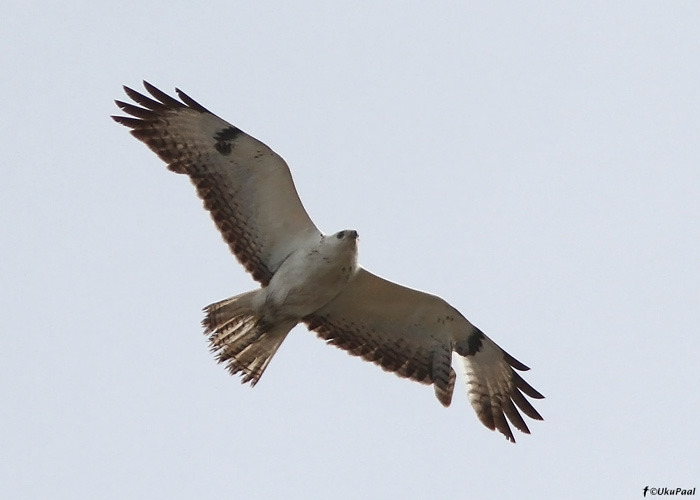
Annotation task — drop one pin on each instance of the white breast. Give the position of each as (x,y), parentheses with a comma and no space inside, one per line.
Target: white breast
(310,278)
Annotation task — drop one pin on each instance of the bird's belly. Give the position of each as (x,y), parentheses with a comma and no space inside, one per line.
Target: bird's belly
(304,284)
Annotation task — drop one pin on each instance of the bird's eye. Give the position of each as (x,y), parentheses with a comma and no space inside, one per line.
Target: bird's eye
(340,234)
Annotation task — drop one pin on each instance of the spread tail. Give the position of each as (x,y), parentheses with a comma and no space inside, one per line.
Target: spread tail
(240,336)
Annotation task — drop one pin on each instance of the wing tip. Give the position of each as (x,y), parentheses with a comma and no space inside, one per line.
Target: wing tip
(191,103)
(158,103)
(497,392)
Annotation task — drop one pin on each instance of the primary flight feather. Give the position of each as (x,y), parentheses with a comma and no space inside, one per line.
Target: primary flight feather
(307,276)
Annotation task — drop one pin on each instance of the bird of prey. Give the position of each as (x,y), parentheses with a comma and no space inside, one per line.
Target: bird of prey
(310,277)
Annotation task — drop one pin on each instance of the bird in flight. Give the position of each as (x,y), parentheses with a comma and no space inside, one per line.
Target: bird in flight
(310,277)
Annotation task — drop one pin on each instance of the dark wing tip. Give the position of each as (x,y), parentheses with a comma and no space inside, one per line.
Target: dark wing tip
(143,100)
(164,98)
(514,416)
(500,423)
(501,409)
(515,363)
(524,405)
(127,121)
(191,102)
(159,103)
(144,110)
(525,387)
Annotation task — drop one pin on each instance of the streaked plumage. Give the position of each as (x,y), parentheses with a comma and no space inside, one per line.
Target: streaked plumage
(310,277)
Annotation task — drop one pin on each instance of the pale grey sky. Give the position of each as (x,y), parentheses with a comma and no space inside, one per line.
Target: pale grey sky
(536,164)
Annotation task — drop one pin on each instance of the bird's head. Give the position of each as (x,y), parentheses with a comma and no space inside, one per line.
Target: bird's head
(347,234)
(341,242)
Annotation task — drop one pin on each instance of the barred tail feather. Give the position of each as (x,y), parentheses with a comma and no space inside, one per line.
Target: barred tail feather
(241,338)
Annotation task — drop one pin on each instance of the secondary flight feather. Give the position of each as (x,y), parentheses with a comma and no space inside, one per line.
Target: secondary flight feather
(310,277)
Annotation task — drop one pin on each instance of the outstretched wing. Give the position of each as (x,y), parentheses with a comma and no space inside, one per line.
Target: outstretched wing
(246,187)
(413,334)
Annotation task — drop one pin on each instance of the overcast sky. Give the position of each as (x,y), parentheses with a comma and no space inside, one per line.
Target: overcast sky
(535,164)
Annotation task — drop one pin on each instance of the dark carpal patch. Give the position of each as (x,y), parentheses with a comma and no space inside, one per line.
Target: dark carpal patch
(224,139)
(472,345)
